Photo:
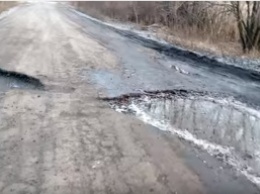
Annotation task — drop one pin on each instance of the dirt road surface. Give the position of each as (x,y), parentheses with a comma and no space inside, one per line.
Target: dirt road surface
(61,139)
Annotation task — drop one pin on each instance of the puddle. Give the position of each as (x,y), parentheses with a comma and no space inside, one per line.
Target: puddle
(224,128)
(9,80)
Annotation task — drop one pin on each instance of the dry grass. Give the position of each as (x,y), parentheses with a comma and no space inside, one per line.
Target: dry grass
(5,5)
(199,26)
(199,43)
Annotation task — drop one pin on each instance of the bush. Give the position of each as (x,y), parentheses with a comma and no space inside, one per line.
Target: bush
(214,21)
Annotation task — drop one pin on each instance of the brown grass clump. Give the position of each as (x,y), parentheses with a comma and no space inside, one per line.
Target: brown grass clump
(205,26)
(5,5)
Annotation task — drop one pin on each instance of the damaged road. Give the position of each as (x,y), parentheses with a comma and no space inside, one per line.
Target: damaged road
(224,128)
(60,138)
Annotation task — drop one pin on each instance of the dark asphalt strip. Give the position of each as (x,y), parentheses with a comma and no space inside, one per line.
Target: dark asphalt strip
(189,56)
(9,79)
(193,58)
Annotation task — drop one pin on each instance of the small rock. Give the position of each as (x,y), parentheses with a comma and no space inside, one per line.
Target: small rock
(248,156)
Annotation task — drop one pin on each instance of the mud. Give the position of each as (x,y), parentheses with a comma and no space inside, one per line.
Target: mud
(11,79)
(143,68)
(62,140)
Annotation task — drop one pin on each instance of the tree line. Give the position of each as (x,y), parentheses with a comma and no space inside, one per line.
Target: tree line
(230,20)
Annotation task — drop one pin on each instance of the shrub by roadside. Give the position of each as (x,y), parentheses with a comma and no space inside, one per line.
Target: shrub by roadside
(5,5)
(209,27)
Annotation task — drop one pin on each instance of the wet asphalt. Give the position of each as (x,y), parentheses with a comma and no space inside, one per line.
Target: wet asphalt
(11,79)
(145,64)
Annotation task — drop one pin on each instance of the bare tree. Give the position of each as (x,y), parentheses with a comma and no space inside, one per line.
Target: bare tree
(237,22)
(248,23)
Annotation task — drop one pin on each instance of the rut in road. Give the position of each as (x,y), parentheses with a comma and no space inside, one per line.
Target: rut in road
(225,128)
(63,142)
(12,79)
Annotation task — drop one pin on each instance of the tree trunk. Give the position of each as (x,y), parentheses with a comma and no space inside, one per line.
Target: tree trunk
(248,25)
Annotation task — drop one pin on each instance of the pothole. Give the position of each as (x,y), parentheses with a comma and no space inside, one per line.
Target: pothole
(225,128)
(11,79)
